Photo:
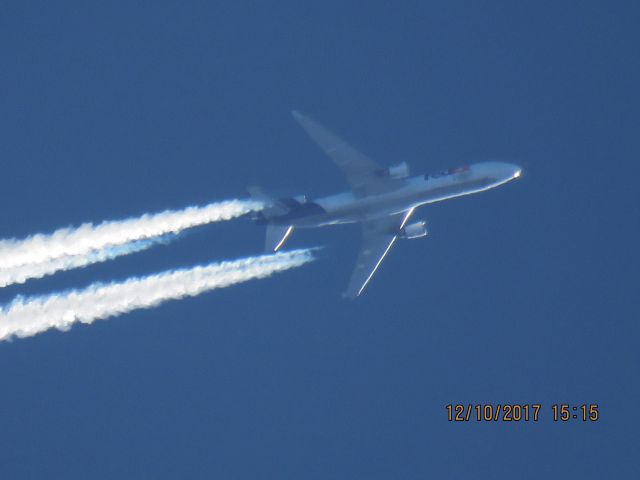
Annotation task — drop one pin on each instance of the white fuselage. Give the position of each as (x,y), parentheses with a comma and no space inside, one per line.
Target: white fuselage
(413,192)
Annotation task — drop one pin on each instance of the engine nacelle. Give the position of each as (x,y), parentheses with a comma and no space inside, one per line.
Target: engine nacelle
(401,170)
(414,230)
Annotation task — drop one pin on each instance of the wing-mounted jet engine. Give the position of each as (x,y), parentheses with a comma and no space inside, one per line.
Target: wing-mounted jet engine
(414,230)
(397,172)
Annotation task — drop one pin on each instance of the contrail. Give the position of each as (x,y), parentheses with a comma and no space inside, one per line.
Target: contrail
(25,317)
(65,248)
(22,273)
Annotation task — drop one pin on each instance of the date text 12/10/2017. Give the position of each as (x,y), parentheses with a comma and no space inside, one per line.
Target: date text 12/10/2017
(521,412)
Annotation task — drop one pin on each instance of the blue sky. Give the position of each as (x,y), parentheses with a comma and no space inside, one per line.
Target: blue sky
(523,294)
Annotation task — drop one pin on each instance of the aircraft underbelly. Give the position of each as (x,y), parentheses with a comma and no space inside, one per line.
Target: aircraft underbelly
(347,208)
(350,210)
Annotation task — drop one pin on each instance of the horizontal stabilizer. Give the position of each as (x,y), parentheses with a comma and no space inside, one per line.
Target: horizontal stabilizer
(277,236)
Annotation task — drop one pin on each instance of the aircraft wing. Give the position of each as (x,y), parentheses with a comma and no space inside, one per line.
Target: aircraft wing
(378,236)
(363,174)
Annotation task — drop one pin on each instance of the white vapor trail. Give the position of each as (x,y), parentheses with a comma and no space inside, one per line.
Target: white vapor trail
(25,317)
(22,273)
(43,254)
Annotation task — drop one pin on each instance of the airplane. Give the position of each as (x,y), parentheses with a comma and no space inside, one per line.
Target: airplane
(381,199)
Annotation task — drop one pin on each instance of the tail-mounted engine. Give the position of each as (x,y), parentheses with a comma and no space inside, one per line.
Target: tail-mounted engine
(414,230)
(273,206)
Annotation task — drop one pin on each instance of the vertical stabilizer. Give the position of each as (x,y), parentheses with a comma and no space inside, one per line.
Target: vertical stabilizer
(277,236)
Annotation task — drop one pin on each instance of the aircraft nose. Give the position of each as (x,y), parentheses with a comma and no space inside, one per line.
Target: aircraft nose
(502,170)
(508,170)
